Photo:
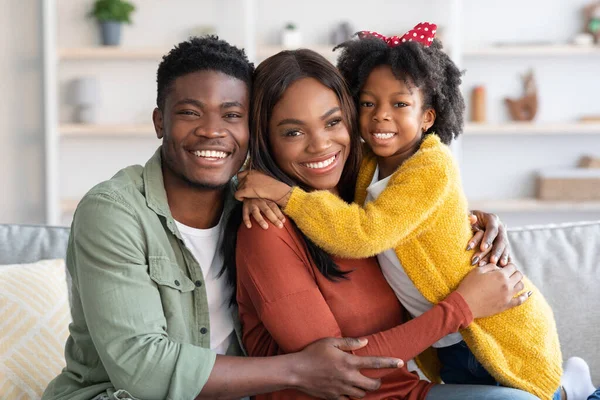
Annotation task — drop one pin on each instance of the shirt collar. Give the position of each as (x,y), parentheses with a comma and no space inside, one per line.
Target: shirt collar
(377,186)
(156,195)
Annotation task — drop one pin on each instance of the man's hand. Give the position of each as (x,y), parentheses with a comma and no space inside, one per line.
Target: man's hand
(324,369)
(491,238)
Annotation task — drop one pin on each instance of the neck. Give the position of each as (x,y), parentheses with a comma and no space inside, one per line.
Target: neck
(192,206)
(389,165)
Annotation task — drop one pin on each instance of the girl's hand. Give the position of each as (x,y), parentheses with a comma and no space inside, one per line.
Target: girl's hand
(489,290)
(492,239)
(258,208)
(256,185)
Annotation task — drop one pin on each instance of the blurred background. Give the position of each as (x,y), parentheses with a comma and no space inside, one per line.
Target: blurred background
(78,90)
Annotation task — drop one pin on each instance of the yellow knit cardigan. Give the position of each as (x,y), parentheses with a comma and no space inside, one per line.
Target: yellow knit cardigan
(422,214)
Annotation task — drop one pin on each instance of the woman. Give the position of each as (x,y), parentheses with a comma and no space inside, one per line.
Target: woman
(291,293)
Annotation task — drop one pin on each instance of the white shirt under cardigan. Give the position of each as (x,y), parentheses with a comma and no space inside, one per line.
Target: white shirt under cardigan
(394,273)
(203,244)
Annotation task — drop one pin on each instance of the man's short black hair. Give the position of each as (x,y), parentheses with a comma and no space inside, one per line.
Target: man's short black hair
(200,54)
(428,68)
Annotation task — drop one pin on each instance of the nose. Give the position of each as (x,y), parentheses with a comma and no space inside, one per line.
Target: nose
(381,113)
(319,142)
(210,127)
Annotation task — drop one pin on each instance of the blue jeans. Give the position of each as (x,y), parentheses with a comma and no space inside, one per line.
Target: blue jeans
(460,367)
(595,395)
(477,392)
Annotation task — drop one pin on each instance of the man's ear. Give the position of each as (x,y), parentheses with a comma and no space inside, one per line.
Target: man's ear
(428,119)
(157,119)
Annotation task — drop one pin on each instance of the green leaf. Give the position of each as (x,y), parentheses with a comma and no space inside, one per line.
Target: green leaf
(112,10)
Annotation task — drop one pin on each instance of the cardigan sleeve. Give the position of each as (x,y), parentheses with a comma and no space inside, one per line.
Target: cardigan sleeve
(415,191)
(282,288)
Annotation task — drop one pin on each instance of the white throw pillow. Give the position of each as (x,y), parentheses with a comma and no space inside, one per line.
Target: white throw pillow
(34,319)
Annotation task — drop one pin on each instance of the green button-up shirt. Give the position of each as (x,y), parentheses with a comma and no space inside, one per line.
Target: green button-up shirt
(140,326)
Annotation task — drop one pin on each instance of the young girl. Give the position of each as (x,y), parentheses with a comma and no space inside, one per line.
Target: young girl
(414,214)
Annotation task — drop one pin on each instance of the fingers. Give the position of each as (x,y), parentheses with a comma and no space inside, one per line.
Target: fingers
(473,220)
(490,233)
(379,363)
(499,244)
(242,175)
(259,218)
(505,258)
(271,210)
(509,270)
(517,301)
(277,211)
(349,344)
(353,392)
(246,215)
(487,268)
(515,278)
(475,240)
(519,287)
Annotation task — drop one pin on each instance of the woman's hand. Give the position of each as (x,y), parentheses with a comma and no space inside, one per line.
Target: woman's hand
(492,239)
(257,208)
(256,185)
(489,290)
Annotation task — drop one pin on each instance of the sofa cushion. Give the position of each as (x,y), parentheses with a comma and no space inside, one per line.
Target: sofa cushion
(34,319)
(563,261)
(21,244)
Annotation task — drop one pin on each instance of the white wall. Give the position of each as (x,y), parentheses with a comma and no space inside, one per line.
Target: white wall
(21,134)
(493,167)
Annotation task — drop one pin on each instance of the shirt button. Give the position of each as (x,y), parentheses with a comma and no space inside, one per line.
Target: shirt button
(177,282)
(198,283)
(203,331)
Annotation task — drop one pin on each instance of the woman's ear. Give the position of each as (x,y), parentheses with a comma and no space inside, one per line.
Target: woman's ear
(428,119)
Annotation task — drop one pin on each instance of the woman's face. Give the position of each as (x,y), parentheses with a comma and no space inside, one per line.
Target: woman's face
(309,140)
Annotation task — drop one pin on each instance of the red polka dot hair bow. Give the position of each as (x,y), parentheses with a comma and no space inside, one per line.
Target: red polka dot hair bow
(423,33)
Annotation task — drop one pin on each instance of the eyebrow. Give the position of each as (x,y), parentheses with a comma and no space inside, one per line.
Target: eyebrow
(199,104)
(395,93)
(193,102)
(293,121)
(231,104)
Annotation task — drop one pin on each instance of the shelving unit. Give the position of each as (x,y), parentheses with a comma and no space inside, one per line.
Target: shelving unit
(528,128)
(115,131)
(110,53)
(534,51)
(80,57)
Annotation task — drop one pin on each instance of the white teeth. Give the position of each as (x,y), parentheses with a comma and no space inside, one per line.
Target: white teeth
(210,154)
(321,164)
(384,135)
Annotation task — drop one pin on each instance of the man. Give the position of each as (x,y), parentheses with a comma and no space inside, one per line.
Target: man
(151,313)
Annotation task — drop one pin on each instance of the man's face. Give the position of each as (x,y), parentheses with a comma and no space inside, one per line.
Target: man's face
(204,127)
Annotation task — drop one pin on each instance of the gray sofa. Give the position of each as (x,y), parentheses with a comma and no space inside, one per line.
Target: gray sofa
(562,260)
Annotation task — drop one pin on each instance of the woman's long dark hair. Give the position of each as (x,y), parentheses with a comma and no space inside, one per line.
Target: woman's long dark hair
(270,81)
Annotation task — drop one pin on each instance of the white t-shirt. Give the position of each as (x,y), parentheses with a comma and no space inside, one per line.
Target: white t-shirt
(397,278)
(204,243)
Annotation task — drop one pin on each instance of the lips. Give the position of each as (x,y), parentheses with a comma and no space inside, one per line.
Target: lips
(321,163)
(384,135)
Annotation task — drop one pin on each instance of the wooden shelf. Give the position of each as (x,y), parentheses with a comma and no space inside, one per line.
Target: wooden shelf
(534,205)
(107,53)
(125,130)
(528,128)
(533,51)
(325,50)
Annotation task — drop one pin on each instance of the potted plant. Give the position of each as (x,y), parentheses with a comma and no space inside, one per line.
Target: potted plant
(291,37)
(111,14)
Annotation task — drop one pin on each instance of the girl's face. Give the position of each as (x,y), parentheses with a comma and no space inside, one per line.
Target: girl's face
(309,140)
(391,115)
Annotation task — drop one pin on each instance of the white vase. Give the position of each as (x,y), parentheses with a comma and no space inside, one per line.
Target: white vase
(85,99)
(291,38)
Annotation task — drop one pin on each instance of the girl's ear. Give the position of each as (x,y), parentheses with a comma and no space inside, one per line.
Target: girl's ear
(428,119)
